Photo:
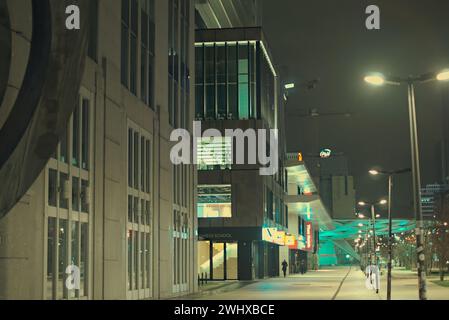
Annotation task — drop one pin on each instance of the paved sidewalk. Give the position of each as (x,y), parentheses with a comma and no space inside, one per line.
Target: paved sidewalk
(333,283)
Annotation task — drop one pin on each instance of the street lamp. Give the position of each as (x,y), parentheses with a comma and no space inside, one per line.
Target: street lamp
(390,175)
(378,79)
(373,231)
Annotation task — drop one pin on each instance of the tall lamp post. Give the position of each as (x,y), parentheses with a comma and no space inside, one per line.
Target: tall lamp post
(379,80)
(373,219)
(390,175)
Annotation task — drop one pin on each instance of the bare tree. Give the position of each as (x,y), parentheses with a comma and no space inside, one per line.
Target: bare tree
(440,234)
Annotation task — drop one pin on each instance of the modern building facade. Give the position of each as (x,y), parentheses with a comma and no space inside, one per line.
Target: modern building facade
(237,88)
(109,204)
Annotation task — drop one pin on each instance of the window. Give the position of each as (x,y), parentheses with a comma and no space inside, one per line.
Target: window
(75,194)
(226,80)
(199,86)
(74,249)
(214,201)
(63,157)
(243,70)
(138,23)
(269,204)
(52,189)
(125,43)
(232,81)
(51,245)
(68,207)
(214,153)
(130,159)
(221,82)
(180,250)
(139,213)
(76,138)
(178,62)
(85,135)
(84,196)
(209,64)
(63,184)
(62,259)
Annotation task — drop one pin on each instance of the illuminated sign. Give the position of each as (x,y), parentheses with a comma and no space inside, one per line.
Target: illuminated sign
(273,235)
(268,234)
(290,240)
(300,158)
(325,153)
(309,236)
(280,238)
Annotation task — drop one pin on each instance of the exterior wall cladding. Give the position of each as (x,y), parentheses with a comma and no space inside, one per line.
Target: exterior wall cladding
(117,209)
(237,88)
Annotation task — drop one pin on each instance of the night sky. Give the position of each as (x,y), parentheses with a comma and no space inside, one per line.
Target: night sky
(328,40)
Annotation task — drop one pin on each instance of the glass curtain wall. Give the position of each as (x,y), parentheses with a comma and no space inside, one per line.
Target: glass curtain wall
(226,81)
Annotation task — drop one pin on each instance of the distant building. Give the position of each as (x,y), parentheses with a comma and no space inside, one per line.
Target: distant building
(335,185)
(429,199)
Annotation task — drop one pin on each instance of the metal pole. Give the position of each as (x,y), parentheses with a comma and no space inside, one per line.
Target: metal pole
(373,216)
(417,193)
(390,236)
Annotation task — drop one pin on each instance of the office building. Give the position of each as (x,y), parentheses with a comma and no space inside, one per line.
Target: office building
(109,201)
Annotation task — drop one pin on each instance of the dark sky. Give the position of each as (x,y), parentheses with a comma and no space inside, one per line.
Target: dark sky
(327,39)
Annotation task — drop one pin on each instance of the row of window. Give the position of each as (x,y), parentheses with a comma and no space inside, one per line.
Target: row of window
(59,193)
(226,85)
(138,48)
(139,211)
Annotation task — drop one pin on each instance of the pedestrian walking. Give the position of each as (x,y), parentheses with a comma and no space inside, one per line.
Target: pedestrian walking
(303,267)
(284,267)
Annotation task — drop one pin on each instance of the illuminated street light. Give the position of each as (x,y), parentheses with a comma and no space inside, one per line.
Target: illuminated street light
(361,216)
(374,172)
(375,79)
(378,80)
(361,203)
(383,201)
(443,75)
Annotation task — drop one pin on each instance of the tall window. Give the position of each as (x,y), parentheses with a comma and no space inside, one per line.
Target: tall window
(178,62)
(243,69)
(69,206)
(181,228)
(139,213)
(137,48)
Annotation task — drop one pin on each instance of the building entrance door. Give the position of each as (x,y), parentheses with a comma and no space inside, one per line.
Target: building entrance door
(218,260)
